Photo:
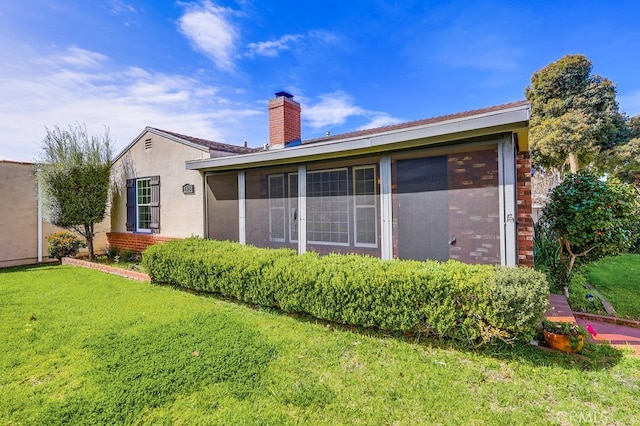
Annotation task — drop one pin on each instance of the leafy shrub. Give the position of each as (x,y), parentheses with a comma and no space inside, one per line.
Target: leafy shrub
(547,256)
(111,253)
(578,296)
(468,303)
(64,244)
(593,218)
(129,256)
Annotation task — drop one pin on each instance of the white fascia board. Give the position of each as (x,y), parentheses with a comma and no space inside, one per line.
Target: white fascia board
(423,135)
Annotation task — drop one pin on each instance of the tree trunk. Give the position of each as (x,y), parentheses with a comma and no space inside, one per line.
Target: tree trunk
(573,163)
(89,236)
(572,261)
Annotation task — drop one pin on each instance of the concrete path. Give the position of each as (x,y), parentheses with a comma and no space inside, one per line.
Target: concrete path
(619,336)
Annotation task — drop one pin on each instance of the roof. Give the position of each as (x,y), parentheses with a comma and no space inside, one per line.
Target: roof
(198,143)
(422,122)
(218,146)
(22,163)
(506,118)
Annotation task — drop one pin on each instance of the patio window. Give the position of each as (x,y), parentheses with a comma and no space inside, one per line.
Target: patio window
(365,220)
(293,207)
(328,207)
(276,208)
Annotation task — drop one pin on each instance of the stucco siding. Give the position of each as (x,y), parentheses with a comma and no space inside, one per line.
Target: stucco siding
(181,215)
(19,215)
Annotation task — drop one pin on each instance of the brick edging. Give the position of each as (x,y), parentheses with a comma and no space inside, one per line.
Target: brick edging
(610,320)
(132,275)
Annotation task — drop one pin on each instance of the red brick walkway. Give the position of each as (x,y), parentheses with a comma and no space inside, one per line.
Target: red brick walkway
(619,336)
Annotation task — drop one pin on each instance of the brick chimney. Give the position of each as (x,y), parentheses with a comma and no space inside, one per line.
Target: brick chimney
(284,121)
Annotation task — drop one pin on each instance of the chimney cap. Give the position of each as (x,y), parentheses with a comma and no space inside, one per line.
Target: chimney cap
(285,94)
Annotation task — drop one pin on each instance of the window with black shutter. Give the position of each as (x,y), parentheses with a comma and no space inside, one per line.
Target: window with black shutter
(143,204)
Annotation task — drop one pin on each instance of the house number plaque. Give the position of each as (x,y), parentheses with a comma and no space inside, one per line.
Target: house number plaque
(188,188)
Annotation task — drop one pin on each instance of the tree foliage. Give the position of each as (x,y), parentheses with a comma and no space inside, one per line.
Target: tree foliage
(574,114)
(623,160)
(592,217)
(73,173)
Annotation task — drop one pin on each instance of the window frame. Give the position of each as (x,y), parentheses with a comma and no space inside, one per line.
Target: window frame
(293,207)
(138,205)
(373,206)
(281,215)
(309,210)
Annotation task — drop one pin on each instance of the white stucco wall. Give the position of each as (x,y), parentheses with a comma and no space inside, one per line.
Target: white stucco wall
(181,215)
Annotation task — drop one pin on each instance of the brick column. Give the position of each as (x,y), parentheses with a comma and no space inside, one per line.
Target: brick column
(525,221)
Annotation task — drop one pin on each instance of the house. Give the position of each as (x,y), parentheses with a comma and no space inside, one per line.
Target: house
(450,187)
(153,197)
(23,230)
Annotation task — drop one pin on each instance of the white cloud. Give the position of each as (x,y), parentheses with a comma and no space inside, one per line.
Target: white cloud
(78,57)
(630,103)
(55,92)
(324,36)
(272,48)
(117,7)
(379,120)
(210,31)
(334,109)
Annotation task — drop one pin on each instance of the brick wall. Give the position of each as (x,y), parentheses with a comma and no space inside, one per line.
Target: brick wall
(130,241)
(472,205)
(525,221)
(474,217)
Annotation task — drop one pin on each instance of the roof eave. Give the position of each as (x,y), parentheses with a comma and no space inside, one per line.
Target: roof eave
(511,119)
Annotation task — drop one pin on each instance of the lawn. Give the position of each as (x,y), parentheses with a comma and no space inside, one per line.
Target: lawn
(81,347)
(618,279)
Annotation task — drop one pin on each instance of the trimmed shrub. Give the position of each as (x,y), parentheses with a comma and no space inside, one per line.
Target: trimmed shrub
(472,304)
(64,244)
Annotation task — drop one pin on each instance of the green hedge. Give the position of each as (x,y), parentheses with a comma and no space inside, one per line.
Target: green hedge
(473,304)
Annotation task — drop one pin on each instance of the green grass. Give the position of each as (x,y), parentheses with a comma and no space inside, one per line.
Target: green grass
(81,347)
(618,279)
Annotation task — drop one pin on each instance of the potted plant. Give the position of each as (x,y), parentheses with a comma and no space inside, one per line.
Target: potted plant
(564,336)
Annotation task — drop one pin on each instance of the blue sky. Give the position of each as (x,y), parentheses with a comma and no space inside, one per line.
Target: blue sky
(208,69)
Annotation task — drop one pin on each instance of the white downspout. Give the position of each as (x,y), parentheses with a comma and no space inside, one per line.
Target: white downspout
(39,224)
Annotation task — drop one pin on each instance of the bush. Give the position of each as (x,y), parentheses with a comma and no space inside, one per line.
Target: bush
(111,253)
(473,304)
(547,256)
(129,256)
(64,244)
(593,218)
(578,296)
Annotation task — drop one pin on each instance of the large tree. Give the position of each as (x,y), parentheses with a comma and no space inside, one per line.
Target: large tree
(574,114)
(623,160)
(73,173)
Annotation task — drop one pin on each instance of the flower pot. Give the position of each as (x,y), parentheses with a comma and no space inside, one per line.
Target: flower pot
(562,342)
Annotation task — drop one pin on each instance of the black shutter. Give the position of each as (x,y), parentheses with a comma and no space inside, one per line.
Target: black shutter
(155,204)
(131,204)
